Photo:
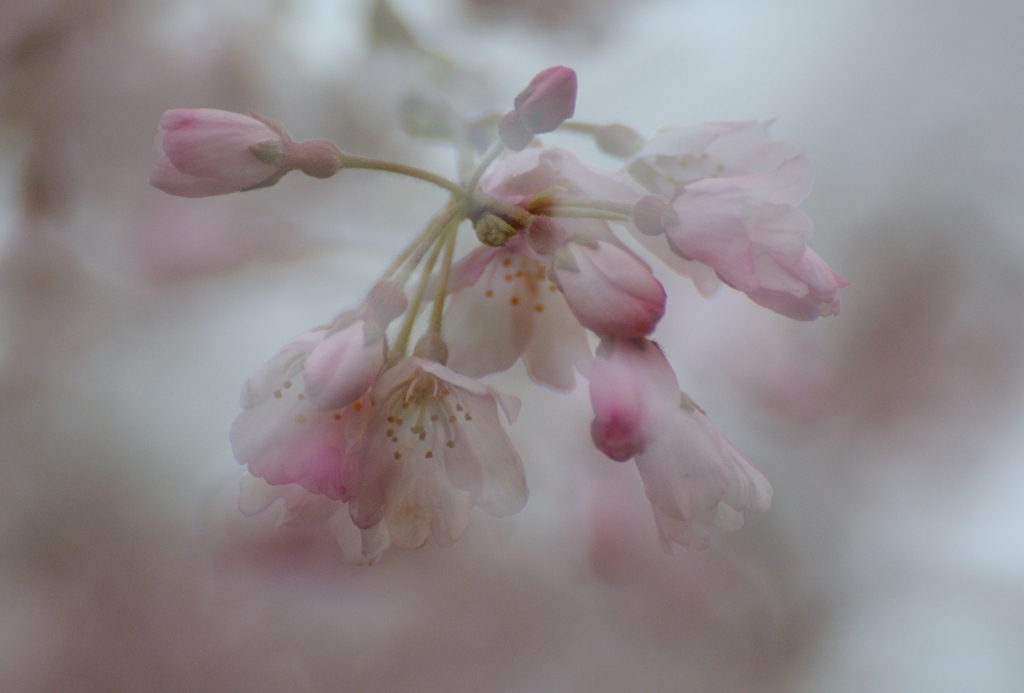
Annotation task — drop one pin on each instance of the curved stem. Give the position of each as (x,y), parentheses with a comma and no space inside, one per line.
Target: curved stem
(349,161)
(497,148)
(412,255)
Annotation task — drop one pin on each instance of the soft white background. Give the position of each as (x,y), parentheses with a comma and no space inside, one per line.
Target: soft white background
(893,557)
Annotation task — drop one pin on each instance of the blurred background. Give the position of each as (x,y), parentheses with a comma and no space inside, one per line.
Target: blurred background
(893,556)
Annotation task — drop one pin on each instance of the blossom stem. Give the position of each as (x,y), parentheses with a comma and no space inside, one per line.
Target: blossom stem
(349,161)
(496,149)
(587,213)
(623,208)
(402,340)
(442,282)
(413,254)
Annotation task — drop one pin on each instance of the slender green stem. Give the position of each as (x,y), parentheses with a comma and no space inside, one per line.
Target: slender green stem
(419,247)
(349,161)
(402,340)
(442,282)
(580,127)
(496,149)
(623,208)
(585,213)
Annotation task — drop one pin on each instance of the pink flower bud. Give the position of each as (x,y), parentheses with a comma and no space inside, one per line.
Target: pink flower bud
(548,100)
(608,290)
(207,152)
(343,367)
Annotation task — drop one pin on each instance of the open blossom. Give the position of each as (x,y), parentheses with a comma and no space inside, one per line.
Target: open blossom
(693,476)
(283,438)
(206,152)
(433,449)
(730,204)
(503,306)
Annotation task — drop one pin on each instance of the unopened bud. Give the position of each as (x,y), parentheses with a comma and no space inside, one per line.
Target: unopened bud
(619,140)
(548,100)
(493,231)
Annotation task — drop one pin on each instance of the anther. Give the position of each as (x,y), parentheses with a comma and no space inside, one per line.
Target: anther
(300,419)
(277,394)
(287,384)
(450,443)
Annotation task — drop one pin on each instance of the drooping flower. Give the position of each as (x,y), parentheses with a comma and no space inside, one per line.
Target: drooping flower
(433,449)
(503,306)
(729,196)
(284,438)
(693,476)
(204,151)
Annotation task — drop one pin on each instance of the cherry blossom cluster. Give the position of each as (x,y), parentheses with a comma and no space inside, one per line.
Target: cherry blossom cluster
(348,426)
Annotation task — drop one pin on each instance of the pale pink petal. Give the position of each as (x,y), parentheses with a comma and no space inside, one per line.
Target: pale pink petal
(208,143)
(359,546)
(632,390)
(343,367)
(559,344)
(609,292)
(487,325)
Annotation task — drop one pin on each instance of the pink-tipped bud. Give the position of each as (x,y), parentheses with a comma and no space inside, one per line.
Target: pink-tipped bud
(207,152)
(548,100)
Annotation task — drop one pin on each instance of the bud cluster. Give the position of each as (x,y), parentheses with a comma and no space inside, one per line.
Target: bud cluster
(347,427)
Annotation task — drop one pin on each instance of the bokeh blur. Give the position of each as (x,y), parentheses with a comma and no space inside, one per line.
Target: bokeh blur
(893,556)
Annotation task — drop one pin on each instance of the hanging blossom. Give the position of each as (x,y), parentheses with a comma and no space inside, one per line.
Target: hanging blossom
(349,427)
(725,197)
